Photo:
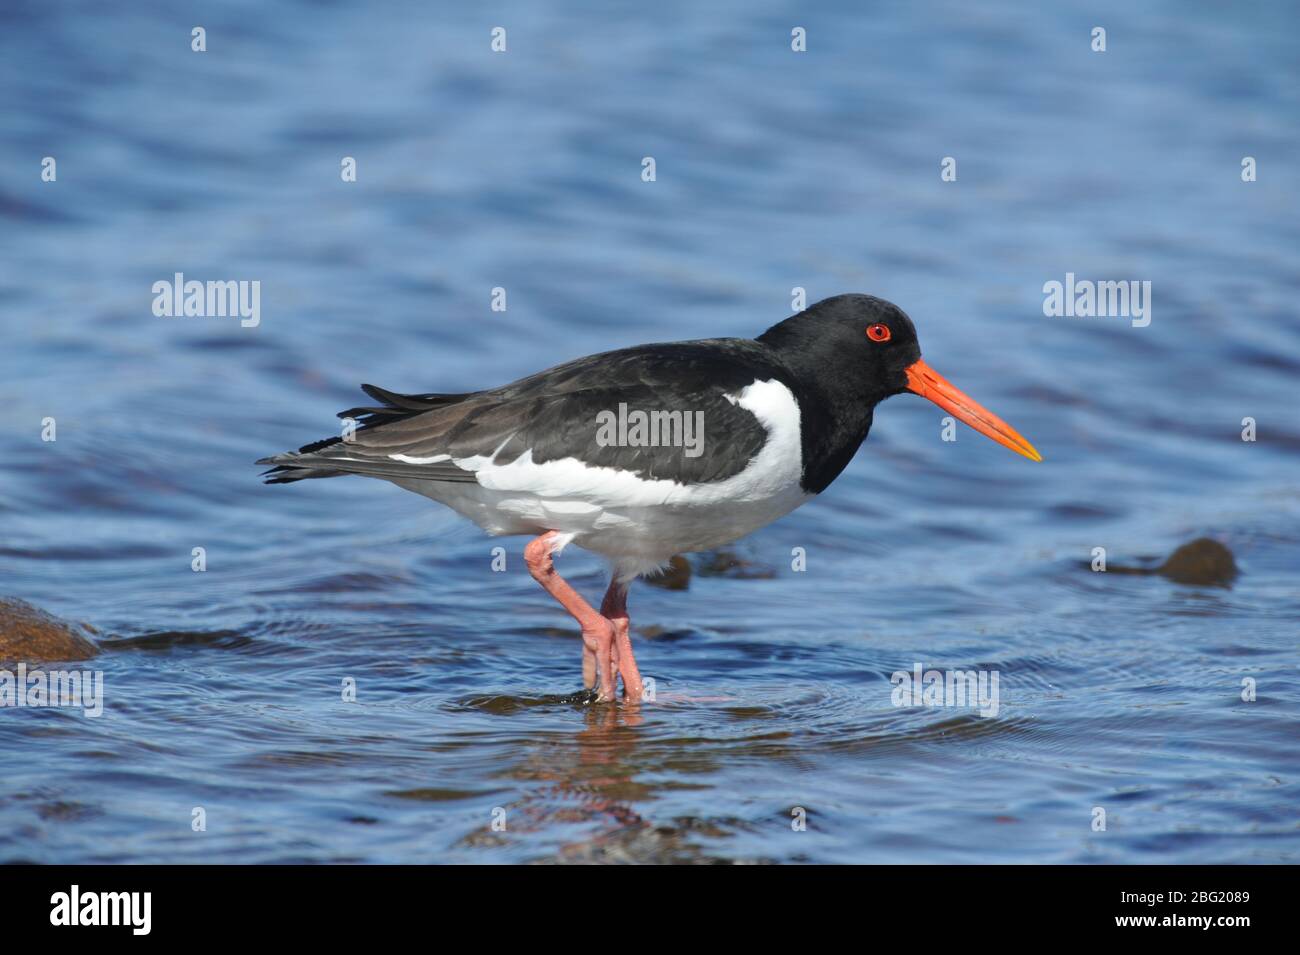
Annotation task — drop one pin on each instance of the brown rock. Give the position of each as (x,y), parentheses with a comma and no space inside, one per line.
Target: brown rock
(676,576)
(1202,562)
(1199,563)
(29,634)
(725,563)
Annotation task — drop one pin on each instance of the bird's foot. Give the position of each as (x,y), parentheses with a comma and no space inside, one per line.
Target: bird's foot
(598,651)
(625,663)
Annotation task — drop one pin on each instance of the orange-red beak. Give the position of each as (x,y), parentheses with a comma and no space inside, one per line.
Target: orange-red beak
(928,383)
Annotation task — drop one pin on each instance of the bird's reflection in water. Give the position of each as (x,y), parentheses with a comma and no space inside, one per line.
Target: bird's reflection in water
(587,781)
(592,798)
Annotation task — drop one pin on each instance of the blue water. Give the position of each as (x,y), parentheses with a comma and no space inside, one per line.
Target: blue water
(775,169)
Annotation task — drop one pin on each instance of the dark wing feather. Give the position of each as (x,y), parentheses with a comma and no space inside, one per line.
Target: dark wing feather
(555,414)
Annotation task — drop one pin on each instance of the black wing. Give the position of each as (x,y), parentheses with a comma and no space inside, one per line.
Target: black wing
(563,412)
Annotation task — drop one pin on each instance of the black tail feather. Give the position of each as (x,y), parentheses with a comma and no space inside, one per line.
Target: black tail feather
(287,475)
(399,406)
(286,468)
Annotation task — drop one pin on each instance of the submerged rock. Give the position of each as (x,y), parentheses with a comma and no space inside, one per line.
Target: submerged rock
(1203,561)
(718,563)
(30,635)
(676,576)
(726,563)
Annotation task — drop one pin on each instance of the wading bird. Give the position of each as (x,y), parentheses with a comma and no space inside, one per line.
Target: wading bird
(781,416)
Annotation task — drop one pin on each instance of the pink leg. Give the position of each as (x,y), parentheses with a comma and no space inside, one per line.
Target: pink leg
(614,608)
(597,632)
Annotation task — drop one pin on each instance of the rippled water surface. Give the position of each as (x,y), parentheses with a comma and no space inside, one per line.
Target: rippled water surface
(774,170)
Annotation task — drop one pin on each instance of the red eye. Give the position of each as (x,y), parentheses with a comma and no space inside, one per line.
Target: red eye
(878,332)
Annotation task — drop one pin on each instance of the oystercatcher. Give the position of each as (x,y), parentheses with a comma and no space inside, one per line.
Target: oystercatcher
(647,452)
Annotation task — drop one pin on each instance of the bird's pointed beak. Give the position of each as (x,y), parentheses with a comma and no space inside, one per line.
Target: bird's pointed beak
(928,383)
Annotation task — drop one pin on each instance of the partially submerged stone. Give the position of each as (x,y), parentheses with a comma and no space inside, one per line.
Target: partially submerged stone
(1202,562)
(726,563)
(718,563)
(30,635)
(676,576)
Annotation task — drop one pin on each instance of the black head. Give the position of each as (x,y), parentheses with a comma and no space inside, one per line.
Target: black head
(851,352)
(859,345)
